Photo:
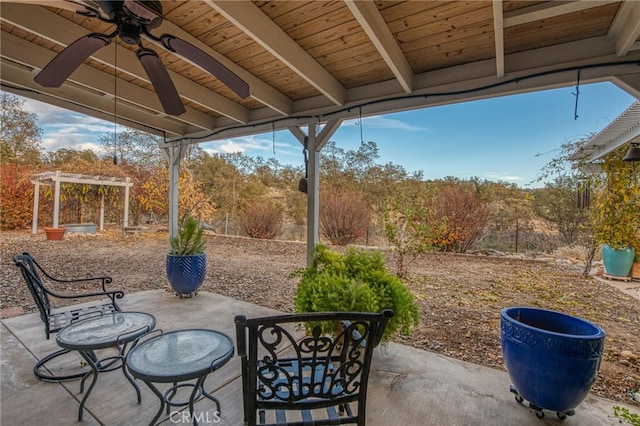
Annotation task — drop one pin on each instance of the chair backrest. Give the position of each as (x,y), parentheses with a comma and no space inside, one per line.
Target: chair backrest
(29,269)
(285,373)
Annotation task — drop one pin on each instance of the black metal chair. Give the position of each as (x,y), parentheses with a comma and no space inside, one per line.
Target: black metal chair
(56,319)
(318,380)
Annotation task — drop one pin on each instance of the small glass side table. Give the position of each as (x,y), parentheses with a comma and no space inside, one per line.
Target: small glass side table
(179,356)
(114,330)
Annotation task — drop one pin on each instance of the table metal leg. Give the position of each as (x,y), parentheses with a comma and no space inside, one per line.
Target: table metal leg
(166,399)
(89,357)
(160,397)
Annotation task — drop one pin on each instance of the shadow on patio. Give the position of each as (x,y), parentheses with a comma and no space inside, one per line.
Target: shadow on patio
(407,386)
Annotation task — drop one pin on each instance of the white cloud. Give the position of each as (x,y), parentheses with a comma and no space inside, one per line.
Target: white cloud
(381,122)
(506,177)
(250,145)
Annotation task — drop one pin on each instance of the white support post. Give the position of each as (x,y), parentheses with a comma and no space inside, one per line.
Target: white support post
(56,200)
(126,205)
(315,143)
(36,207)
(174,154)
(313,195)
(102,213)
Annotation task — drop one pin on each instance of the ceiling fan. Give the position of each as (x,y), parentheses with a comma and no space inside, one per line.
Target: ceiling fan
(134,19)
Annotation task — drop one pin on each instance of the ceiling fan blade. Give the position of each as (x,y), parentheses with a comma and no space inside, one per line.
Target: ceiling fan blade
(63,65)
(161,81)
(211,65)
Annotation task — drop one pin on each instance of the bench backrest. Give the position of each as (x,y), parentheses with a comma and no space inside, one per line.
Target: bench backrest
(29,269)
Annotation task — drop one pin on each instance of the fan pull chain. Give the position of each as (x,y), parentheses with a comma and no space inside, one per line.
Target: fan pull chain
(360,122)
(577,95)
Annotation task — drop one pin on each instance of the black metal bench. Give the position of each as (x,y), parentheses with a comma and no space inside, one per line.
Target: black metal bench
(318,380)
(102,302)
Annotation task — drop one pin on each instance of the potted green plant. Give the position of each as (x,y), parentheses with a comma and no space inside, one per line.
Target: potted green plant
(187,262)
(616,218)
(355,281)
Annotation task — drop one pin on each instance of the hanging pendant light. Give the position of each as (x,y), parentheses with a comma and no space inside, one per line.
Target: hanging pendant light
(634,153)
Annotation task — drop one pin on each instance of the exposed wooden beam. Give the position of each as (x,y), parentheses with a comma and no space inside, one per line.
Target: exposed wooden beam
(250,19)
(53,27)
(625,29)
(23,51)
(549,10)
(20,77)
(498,34)
(372,22)
(260,90)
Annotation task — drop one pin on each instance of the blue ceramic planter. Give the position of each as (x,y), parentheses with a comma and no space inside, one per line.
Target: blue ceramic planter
(617,262)
(552,358)
(186,273)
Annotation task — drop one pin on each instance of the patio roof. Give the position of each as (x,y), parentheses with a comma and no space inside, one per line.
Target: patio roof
(314,61)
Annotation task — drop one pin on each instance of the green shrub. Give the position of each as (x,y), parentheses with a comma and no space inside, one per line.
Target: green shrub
(356,281)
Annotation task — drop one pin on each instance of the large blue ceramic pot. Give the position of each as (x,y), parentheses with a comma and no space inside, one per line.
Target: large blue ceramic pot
(186,273)
(617,262)
(552,358)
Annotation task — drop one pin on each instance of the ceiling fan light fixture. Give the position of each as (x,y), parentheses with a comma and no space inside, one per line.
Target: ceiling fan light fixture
(147,12)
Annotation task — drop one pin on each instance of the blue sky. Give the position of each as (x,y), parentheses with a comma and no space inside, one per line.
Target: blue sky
(502,139)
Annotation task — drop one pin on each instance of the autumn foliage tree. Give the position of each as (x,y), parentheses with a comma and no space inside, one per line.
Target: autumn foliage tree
(467,216)
(262,219)
(344,215)
(16,197)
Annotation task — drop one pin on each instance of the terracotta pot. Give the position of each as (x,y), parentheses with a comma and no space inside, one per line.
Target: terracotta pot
(56,234)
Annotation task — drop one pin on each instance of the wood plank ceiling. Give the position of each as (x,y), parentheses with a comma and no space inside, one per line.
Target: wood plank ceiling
(309,61)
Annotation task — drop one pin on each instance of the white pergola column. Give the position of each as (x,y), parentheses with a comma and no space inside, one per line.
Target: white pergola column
(174,154)
(36,207)
(56,199)
(126,204)
(314,144)
(102,212)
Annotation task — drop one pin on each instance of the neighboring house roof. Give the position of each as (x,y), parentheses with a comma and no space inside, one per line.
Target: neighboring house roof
(624,129)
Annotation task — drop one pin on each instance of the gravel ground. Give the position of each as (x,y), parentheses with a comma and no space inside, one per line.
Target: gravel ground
(460,296)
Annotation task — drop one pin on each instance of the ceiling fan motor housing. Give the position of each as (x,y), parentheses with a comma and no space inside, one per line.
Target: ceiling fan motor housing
(129,33)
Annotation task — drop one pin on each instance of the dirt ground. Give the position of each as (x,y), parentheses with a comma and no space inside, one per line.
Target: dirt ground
(460,296)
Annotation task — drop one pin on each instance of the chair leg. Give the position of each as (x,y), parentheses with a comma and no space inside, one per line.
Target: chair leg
(40,368)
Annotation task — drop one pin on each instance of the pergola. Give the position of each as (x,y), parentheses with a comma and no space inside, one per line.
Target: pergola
(56,178)
(312,64)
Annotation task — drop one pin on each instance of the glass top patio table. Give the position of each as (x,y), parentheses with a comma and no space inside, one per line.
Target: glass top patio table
(180,355)
(105,331)
(114,330)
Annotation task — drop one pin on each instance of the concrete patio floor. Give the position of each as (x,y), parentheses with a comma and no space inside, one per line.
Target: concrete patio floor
(407,386)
